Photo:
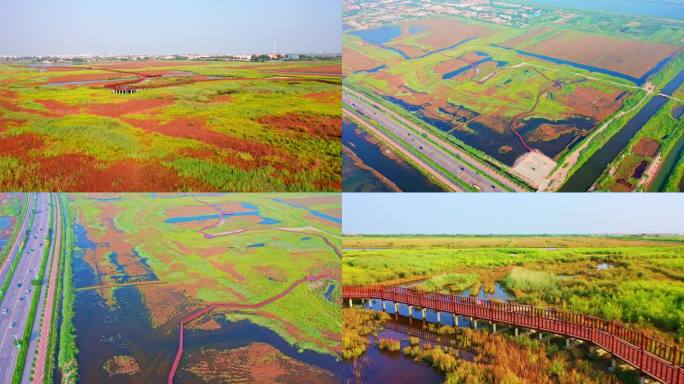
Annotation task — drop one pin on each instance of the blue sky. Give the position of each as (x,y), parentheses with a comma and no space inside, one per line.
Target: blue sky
(38,27)
(521,213)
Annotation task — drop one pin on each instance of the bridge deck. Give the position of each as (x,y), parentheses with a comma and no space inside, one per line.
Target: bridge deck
(661,361)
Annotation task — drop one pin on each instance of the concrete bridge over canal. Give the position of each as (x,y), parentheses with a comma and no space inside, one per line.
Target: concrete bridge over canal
(653,358)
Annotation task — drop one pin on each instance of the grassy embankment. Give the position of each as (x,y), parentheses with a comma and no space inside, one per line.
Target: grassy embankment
(51,357)
(67,358)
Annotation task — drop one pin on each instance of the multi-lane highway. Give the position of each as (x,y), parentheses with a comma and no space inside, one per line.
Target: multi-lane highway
(457,166)
(40,335)
(16,303)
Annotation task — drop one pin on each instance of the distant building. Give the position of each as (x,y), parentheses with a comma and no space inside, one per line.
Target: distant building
(241,57)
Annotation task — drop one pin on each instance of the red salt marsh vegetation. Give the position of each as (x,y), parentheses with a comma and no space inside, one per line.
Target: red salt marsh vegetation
(211,126)
(630,57)
(436,34)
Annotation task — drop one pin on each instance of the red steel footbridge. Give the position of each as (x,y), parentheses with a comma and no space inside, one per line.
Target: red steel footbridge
(653,358)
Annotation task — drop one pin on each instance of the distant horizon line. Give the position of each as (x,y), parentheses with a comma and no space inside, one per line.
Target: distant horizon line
(172,54)
(519,234)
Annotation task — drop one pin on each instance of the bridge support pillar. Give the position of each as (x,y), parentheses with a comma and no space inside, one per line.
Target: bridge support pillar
(567,343)
(383,306)
(541,335)
(350,303)
(455,320)
(516,332)
(613,365)
(493,327)
(474,323)
(642,380)
(439,321)
(410,311)
(370,303)
(423,314)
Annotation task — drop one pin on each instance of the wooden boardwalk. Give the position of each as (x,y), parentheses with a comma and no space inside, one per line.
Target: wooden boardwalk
(656,359)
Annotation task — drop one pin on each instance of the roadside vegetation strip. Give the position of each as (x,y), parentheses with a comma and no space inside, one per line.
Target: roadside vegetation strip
(50,358)
(67,361)
(428,161)
(20,251)
(416,161)
(449,152)
(28,328)
(478,158)
(17,228)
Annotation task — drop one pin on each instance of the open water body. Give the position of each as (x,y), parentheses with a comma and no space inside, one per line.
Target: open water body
(5,222)
(255,211)
(376,366)
(657,8)
(125,329)
(405,176)
(586,175)
(356,179)
(380,35)
(319,214)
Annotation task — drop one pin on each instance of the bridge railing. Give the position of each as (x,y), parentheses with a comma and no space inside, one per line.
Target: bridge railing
(659,360)
(181,335)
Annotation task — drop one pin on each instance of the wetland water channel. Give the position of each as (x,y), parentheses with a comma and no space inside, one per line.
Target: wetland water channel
(105,331)
(583,179)
(359,179)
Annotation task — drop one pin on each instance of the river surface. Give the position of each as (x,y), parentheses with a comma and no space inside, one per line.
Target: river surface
(104,331)
(587,174)
(357,179)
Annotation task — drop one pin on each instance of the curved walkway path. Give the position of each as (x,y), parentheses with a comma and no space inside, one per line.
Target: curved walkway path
(211,307)
(658,360)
